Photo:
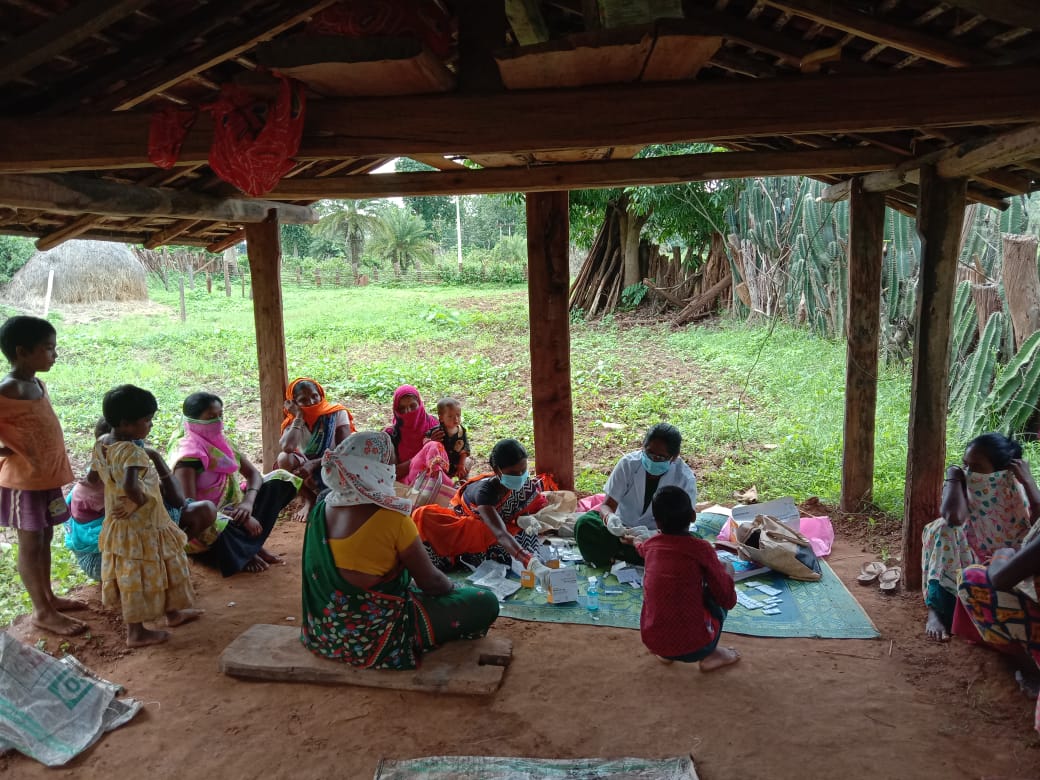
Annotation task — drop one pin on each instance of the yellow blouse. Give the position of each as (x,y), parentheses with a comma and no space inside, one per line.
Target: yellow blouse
(374,547)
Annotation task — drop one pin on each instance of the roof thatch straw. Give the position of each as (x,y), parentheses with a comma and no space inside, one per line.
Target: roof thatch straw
(84,272)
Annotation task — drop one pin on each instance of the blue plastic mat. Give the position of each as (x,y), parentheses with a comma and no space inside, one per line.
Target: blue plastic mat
(824,609)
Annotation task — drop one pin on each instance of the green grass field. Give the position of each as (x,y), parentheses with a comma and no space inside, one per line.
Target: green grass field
(757,405)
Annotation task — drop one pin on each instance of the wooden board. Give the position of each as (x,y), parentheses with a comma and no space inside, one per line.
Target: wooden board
(266,652)
(344,67)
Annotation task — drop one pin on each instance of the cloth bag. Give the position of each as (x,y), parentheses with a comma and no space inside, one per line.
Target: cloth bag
(767,541)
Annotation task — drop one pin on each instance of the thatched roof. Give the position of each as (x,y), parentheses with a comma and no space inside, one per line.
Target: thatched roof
(84,272)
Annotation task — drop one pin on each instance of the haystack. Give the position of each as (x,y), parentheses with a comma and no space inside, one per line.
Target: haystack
(84,272)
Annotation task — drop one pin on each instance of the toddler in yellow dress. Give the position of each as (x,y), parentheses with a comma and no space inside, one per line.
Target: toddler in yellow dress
(144,568)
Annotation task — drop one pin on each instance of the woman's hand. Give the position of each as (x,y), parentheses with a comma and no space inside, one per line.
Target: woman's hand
(437,434)
(628,539)
(242,513)
(292,408)
(1020,469)
(252,527)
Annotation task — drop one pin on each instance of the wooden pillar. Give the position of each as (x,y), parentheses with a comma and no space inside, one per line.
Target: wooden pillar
(940,214)
(265,260)
(548,244)
(866,245)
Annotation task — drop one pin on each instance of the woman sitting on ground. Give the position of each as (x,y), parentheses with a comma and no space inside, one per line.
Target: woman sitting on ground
(311,426)
(360,552)
(207,466)
(988,504)
(1001,598)
(482,523)
(629,493)
(416,435)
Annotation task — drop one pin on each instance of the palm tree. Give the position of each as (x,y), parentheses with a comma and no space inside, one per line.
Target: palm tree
(401,236)
(351,221)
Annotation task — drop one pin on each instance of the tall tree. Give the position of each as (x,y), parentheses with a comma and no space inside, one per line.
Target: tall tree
(401,236)
(351,220)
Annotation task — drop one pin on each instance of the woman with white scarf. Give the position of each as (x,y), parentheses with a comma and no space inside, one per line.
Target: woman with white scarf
(360,554)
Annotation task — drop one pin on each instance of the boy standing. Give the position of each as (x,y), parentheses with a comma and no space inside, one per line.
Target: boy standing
(33,466)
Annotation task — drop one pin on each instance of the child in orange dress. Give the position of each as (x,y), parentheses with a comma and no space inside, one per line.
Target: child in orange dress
(33,467)
(144,569)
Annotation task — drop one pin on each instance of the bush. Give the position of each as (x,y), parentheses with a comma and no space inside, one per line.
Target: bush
(15,252)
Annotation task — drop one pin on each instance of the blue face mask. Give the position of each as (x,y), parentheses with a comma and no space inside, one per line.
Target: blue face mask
(513,481)
(655,469)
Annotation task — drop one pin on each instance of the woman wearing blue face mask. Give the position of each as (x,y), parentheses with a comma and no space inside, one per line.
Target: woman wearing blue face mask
(989,504)
(629,493)
(481,522)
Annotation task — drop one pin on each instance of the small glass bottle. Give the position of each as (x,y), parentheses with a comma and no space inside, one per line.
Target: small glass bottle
(592,595)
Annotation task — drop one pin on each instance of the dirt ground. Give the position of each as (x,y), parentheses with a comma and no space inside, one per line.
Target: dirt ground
(897,707)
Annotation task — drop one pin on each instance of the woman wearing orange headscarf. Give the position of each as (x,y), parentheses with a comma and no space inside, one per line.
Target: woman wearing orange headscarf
(311,426)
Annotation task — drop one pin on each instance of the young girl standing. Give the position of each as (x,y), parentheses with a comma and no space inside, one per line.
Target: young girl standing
(144,568)
(33,466)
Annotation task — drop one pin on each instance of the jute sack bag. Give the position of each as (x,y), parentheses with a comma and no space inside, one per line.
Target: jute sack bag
(767,541)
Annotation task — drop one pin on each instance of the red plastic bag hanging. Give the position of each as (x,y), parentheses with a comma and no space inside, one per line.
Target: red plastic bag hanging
(167,130)
(424,20)
(254,140)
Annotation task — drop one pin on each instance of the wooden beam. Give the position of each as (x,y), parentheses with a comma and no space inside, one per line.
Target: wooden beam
(61,33)
(579,118)
(940,218)
(167,234)
(589,175)
(833,13)
(70,194)
(548,241)
(525,17)
(237,237)
(966,159)
(866,246)
(1018,13)
(104,233)
(77,227)
(263,246)
(225,46)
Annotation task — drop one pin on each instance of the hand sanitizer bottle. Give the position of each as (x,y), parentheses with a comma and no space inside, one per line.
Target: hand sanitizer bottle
(592,595)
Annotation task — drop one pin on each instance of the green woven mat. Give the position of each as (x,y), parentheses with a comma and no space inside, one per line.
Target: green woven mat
(823,609)
(521,768)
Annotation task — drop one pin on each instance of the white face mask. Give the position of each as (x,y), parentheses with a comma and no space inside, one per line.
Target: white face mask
(975,481)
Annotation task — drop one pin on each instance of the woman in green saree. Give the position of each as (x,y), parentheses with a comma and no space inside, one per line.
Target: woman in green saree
(360,554)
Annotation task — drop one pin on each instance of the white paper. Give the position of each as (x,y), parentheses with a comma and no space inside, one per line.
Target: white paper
(747,602)
(500,586)
(718,509)
(628,575)
(769,590)
(486,568)
(771,611)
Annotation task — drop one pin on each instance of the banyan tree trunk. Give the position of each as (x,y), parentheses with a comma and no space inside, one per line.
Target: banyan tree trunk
(1022,286)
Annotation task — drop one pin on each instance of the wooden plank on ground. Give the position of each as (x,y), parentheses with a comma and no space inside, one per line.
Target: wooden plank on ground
(266,652)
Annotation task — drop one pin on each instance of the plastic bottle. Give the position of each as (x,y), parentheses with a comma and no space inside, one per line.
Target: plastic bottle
(592,595)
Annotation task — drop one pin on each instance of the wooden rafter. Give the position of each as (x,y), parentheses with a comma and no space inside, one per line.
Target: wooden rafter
(590,175)
(225,47)
(964,160)
(61,33)
(843,17)
(578,118)
(67,194)
(1020,13)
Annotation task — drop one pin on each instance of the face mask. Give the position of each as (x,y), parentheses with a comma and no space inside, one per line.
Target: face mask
(513,481)
(978,483)
(655,469)
(208,430)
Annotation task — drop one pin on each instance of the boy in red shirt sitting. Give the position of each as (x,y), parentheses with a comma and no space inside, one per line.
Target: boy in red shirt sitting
(687,591)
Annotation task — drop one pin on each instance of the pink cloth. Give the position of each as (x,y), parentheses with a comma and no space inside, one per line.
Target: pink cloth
(431,457)
(589,503)
(204,441)
(408,431)
(819,532)
(87,500)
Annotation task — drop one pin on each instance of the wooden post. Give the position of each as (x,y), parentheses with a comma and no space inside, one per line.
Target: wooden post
(265,259)
(47,297)
(866,244)
(230,258)
(184,313)
(317,277)
(209,283)
(242,276)
(940,213)
(548,240)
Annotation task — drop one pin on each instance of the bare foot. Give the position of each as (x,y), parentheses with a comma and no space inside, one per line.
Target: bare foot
(139,636)
(256,565)
(723,656)
(61,603)
(269,557)
(57,623)
(934,628)
(302,512)
(178,617)
(662,659)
